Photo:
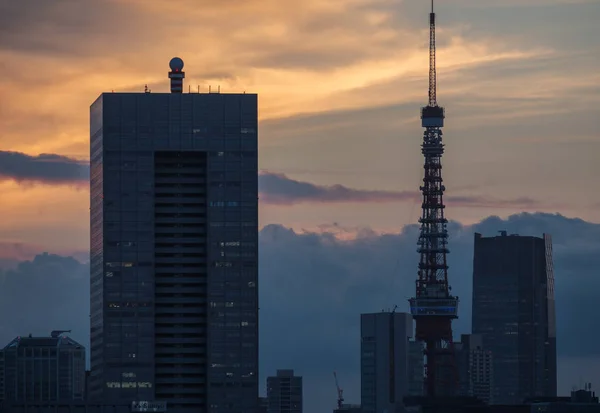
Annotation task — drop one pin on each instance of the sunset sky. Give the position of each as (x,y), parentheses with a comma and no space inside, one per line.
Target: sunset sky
(340,83)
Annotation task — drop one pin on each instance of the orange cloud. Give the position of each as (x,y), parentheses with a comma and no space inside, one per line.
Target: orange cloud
(340,84)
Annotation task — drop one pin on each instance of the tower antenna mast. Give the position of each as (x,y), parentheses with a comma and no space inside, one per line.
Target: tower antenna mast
(433,307)
(432,69)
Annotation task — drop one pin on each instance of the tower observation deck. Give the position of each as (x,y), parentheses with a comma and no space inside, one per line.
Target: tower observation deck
(433,307)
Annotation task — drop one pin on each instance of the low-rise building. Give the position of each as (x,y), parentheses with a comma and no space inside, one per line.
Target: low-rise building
(44,369)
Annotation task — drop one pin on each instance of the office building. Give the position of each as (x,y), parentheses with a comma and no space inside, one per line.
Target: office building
(284,392)
(174,249)
(475,368)
(514,312)
(44,369)
(416,369)
(385,353)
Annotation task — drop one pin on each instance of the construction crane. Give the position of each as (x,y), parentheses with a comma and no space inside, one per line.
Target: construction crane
(340,391)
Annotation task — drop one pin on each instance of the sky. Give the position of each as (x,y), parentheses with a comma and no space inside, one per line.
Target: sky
(340,84)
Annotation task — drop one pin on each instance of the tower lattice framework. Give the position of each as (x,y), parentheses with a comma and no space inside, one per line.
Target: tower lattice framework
(433,307)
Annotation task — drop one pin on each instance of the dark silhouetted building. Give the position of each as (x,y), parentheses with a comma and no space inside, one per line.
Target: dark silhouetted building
(385,352)
(1,375)
(43,369)
(263,405)
(514,312)
(416,369)
(349,408)
(475,368)
(174,249)
(284,392)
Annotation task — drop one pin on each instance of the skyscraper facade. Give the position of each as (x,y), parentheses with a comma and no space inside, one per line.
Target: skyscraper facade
(385,360)
(174,249)
(284,392)
(514,312)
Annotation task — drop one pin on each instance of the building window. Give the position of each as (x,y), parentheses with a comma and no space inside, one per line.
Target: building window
(223,264)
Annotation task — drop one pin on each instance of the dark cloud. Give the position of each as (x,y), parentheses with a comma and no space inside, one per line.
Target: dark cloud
(314,286)
(47,293)
(43,168)
(66,28)
(274,188)
(278,189)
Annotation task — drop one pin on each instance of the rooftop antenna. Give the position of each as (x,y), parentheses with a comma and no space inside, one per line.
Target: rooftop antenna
(176,75)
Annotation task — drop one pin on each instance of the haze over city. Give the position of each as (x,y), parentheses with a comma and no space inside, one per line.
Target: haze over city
(340,84)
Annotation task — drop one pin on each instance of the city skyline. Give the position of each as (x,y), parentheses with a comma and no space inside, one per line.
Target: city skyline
(298,198)
(343,279)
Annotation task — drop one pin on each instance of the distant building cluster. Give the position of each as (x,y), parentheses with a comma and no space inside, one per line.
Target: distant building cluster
(511,355)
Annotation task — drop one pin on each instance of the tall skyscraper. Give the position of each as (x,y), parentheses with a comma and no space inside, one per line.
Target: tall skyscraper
(513,310)
(44,369)
(475,368)
(284,392)
(385,360)
(174,249)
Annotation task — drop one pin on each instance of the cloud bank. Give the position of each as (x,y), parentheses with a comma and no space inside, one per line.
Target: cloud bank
(275,188)
(313,287)
(279,189)
(44,168)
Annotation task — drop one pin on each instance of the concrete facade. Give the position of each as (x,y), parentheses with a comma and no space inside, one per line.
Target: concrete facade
(174,250)
(475,368)
(385,366)
(284,392)
(416,369)
(514,312)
